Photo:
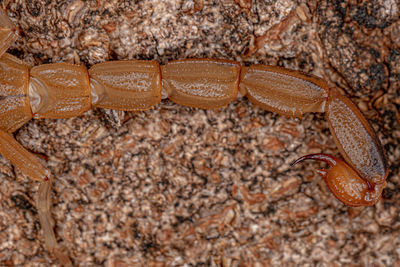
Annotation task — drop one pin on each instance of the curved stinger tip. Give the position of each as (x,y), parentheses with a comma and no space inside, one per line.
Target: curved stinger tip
(331,160)
(344,182)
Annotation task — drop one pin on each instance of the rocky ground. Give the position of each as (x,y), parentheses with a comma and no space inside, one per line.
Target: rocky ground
(178,186)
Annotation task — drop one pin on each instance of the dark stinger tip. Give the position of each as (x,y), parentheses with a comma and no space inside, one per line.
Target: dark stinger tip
(331,160)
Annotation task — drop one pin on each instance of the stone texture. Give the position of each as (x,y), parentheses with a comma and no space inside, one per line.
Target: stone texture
(177,186)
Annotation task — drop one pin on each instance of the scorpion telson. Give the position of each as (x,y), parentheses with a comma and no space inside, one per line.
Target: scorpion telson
(62,90)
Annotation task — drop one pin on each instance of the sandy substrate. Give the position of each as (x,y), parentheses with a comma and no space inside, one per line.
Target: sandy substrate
(178,186)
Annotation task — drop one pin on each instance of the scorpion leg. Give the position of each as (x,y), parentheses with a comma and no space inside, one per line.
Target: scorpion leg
(26,162)
(43,203)
(30,165)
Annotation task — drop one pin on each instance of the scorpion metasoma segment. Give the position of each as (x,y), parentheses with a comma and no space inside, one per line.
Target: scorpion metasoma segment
(62,90)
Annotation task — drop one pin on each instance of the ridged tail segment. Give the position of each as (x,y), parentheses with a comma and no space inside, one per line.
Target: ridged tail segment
(286,92)
(59,90)
(130,85)
(355,138)
(201,83)
(15,110)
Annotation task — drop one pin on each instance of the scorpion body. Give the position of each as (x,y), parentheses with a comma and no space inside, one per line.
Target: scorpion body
(62,90)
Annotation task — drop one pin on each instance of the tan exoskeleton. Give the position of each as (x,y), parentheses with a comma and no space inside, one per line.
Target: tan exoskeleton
(62,90)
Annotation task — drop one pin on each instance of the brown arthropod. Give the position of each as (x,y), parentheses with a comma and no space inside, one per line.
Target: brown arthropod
(62,90)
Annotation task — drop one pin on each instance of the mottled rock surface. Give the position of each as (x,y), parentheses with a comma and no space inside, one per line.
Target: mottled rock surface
(177,186)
